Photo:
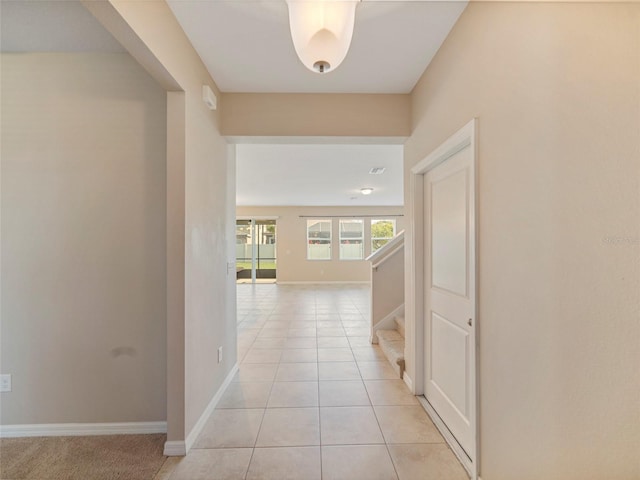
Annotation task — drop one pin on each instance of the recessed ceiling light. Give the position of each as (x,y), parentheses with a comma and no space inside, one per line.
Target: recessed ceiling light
(366,191)
(377,170)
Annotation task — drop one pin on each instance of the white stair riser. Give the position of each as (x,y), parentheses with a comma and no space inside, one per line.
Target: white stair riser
(400,326)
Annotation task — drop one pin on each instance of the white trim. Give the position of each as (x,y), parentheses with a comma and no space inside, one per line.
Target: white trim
(315,282)
(175,449)
(414,351)
(407,380)
(257,217)
(384,260)
(81,429)
(452,145)
(197,428)
(384,251)
(414,284)
(448,436)
(321,140)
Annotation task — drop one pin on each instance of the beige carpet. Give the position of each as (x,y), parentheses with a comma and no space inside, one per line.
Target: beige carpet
(121,457)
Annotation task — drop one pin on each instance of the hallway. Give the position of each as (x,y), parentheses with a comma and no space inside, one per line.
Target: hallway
(313,399)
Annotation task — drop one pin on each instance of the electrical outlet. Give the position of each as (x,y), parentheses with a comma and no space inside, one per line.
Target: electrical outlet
(5,383)
(219,354)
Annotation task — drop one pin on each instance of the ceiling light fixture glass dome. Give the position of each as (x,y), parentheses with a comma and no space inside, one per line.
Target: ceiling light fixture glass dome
(321,31)
(366,191)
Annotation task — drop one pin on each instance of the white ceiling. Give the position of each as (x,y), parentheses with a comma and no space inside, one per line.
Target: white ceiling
(318,175)
(247,47)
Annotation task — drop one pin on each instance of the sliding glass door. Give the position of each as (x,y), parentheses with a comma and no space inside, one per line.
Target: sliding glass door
(255,250)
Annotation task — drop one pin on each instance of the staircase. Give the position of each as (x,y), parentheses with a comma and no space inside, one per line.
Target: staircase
(387,301)
(392,344)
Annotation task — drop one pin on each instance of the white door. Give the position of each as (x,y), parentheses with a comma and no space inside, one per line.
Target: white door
(450,303)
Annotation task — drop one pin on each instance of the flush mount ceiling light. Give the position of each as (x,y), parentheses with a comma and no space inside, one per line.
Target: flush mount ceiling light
(366,191)
(321,31)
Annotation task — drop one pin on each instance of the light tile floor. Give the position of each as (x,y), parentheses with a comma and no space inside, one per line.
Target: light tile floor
(313,399)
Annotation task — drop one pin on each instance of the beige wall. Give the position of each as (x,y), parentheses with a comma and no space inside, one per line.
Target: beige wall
(202,164)
(292,263)
(329,115)
(83,322)
(556,90)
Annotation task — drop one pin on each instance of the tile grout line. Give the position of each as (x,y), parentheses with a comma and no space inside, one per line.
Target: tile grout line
(384,438)
(264,412)
(318,371)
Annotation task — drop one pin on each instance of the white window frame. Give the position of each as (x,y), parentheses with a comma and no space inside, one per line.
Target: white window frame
(361,238)
(330,239)
(388,239)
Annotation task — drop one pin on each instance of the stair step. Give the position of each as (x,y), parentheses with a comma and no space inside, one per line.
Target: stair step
(392,344)
(400,325)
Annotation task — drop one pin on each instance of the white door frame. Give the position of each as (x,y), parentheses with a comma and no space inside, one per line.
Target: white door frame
(463,138)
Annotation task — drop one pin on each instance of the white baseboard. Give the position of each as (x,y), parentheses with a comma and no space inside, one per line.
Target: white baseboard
(366,282)
(175,449)
(180,448)
(408,381)
(78,429)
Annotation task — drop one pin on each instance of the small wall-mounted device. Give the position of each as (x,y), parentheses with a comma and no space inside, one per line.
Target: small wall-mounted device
(209,98)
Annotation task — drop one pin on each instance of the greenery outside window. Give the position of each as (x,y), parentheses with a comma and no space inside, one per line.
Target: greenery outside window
(382,230)
(318,239)
(351,239)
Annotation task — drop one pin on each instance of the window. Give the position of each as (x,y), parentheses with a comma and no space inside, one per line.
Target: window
(351,239)
(382,230)
(318,239)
